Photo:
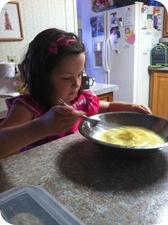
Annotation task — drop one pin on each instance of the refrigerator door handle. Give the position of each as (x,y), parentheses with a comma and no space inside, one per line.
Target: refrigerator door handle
(104,55)
(105,50)
(108,49)
(105,61)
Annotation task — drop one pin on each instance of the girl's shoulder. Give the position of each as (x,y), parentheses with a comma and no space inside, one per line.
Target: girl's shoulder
(26,100)
(88,95)
(88,102)
(88,92)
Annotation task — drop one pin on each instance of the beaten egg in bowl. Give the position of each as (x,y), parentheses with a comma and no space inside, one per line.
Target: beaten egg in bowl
(121,144)
(130,136)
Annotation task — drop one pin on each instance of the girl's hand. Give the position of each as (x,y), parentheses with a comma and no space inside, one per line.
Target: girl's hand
(124,106)
(60,119)
(139,108)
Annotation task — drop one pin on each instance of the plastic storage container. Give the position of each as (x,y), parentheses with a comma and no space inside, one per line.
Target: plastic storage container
(32,205)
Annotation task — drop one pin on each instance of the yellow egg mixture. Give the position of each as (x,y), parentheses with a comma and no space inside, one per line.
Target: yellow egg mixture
(131,136)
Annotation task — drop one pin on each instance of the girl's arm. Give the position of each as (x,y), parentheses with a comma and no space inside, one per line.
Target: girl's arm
(18,136)
(122,106)
(19,130)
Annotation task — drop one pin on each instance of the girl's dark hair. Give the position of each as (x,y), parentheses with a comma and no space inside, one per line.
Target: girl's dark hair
(39,61)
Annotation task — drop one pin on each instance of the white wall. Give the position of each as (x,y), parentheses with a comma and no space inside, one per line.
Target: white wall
(37,15)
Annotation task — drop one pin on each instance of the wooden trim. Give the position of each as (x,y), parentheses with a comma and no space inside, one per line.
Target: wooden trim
(20,38)
(165,23)
(106,97)
(151,90)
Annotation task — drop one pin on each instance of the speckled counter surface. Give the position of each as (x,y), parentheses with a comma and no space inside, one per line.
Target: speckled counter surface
(3,108)
(165,68)
(3,114)
(97,187)
(100,89)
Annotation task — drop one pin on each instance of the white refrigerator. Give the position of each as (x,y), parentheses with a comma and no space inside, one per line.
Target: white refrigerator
(121,40)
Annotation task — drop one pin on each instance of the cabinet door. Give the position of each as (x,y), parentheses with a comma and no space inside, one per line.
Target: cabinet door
(159,94)
(106,97)
(165,24)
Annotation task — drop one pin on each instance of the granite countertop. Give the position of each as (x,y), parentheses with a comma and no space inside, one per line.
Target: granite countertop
(97,187)
(3,107)
(3,114)
(99,88)
(165,68)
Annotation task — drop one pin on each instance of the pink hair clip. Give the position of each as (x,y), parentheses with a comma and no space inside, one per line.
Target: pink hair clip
(61,41)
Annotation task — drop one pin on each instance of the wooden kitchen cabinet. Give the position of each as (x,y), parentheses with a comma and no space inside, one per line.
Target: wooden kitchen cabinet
(108,97)
(165,24)
(159,93)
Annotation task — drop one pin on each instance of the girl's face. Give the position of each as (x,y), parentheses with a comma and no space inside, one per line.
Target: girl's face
(66,79)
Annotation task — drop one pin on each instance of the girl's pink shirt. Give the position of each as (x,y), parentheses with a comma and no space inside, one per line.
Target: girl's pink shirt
(87,101)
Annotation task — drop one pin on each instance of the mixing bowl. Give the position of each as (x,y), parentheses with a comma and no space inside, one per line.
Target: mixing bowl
(154,123)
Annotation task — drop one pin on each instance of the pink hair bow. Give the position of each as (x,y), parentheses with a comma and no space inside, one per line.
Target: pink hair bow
(61,41)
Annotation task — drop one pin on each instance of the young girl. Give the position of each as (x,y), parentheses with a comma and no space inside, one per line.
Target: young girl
(52,67)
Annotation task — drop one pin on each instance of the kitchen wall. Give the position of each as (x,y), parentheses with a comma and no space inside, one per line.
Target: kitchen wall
(83,9)
(36,16)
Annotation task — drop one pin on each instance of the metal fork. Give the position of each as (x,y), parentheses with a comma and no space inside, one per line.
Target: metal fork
(93,122)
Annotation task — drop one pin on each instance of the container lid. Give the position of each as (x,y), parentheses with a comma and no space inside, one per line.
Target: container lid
(32,205)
